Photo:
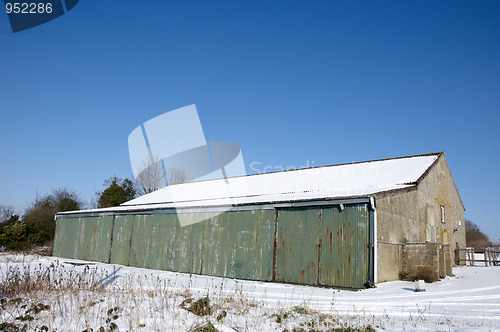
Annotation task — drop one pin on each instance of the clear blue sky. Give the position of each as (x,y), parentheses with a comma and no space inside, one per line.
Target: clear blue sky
(291,82)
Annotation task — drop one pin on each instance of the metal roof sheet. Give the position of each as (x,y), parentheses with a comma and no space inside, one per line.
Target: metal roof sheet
(326,182)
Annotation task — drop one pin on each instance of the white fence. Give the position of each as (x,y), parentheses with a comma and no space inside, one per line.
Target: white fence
(478,256)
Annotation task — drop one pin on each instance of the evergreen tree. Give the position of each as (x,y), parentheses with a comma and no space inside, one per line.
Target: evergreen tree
(117,191)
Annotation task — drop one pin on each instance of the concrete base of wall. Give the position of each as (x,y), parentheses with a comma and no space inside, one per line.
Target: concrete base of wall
(427,261)
(389,256)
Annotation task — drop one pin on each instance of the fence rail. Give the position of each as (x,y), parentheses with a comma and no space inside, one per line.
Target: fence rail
(478,256)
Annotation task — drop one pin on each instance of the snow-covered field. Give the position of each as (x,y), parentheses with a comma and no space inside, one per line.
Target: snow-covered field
(47,293)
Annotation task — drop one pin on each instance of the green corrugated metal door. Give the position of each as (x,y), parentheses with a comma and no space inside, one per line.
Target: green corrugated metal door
(345,249)
(324,245)
(297,245)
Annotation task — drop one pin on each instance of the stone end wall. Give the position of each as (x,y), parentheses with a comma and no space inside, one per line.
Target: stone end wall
(427,261)
(431,213)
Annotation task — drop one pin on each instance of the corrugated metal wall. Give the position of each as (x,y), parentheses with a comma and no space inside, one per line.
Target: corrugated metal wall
(309,245)
(235,244)
(324,246)
(84,238)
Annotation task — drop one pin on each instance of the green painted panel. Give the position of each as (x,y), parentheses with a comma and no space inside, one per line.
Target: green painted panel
(84,238)
(297,245)
(140,240)
(345,256)
(122,236)
(178,247)
(331,252)
(95,237)
(161,241)
(324,246)
(217,259)
(240,245)
(66,237)
(315,245)
(237,244)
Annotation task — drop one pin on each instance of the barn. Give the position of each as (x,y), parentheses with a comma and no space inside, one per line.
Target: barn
(349,225)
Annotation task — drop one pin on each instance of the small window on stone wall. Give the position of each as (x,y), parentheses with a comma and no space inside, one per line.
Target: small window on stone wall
(443,220)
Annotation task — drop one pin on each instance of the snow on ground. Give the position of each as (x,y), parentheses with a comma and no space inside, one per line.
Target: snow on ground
(101,295)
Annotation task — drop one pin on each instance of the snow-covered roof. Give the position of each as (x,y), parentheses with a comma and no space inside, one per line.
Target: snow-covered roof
(327,182)
(337,181)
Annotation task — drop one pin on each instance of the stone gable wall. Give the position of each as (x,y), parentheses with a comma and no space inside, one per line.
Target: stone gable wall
(414,215)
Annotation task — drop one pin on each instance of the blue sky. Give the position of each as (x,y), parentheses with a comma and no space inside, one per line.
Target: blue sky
(292,82)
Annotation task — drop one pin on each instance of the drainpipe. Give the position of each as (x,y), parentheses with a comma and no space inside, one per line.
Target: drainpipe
(375,243)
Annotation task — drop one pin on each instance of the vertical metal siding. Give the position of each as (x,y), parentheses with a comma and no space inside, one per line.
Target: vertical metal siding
(306,245)
(324,246)
(297,245)
(84,238)
(67,234)
(236,244)
(122,232)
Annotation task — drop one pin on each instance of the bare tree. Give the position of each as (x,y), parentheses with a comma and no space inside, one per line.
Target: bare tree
(39,216)
(176,175)
(474,236)
(150,177)
(6,212)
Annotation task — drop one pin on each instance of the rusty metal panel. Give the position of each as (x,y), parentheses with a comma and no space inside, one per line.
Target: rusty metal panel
(313,245)
(324,246)
(236,244)
(239,244)
(332,246)
(345,251)
(297,245)
(187,246)
(158,241)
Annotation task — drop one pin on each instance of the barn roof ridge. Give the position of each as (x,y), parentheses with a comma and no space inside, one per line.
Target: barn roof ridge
(360,179)
(342,180)
(346,164)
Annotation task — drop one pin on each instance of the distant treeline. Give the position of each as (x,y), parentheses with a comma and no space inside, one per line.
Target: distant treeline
(36,227)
